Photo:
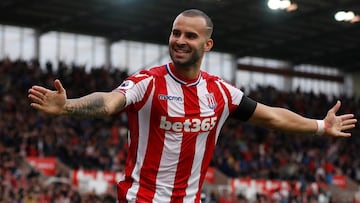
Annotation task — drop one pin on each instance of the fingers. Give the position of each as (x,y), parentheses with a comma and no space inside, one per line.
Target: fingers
(348,124)
(349,121)
(343,134)
(346,117)
(36,106)
(36,99)
(37,94)
(39,89)
(347,127)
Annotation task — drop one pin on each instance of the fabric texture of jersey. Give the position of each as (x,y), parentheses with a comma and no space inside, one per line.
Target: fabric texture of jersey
(174,125)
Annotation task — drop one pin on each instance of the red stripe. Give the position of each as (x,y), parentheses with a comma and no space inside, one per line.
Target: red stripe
(123,186)
(231,106)
(149,170)
(183,172)
(210,143)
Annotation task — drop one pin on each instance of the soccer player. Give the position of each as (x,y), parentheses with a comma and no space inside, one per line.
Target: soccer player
(175,114)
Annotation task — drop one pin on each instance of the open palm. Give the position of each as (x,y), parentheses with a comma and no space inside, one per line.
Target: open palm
(337,125)
(49,101)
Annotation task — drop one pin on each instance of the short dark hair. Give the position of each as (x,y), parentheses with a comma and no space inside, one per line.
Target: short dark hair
(199,13)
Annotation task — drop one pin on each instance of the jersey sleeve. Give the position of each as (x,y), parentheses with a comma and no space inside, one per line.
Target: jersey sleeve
(241,106)
(135,88)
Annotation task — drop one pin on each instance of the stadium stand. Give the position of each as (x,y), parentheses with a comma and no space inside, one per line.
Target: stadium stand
(244,151)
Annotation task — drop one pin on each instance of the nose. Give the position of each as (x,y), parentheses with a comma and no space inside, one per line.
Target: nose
(181,40)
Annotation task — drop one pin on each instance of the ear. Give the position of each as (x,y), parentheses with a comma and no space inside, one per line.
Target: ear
(208,45)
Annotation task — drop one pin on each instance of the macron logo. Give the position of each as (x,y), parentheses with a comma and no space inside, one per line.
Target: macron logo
(170,98)
(189,125)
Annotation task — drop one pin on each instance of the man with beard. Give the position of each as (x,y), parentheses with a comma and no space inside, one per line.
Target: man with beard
(175,114)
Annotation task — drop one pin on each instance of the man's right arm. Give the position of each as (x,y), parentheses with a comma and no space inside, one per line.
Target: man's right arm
(97,104)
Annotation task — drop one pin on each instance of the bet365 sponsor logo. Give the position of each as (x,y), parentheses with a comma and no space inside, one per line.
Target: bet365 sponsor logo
(189,125)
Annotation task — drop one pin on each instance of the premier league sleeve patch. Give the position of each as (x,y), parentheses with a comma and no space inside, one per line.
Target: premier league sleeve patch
(126,85)
(134,88)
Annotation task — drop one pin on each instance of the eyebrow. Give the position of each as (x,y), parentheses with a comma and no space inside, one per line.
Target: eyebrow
(187,32)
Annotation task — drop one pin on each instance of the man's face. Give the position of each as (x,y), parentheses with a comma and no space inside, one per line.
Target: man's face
(188,41)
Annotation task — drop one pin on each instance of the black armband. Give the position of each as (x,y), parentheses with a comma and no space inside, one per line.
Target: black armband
(245,109)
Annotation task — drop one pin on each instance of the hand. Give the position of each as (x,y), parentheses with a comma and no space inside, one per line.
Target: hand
(48,101)
(336,125)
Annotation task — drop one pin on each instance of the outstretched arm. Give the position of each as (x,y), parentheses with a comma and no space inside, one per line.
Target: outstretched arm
(97,104)
(285,120)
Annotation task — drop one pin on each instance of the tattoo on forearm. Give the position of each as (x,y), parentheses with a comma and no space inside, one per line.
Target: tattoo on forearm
(93,107)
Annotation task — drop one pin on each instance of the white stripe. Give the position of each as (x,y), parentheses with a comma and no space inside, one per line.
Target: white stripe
(137,92)
(235,93)
(193,182)
(225,112)
(172,146)
(168,165)
(144,122)
(175,108)
(205,111)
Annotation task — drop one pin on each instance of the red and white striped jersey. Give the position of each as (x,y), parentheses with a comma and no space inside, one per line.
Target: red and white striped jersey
(174,125)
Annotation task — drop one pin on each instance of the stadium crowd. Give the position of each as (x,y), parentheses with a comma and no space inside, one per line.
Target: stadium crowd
(243,150)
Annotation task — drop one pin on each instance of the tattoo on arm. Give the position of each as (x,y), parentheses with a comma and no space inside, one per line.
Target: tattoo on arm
(89,106)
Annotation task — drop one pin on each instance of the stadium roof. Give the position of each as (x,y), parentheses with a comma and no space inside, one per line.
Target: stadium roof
(308,35)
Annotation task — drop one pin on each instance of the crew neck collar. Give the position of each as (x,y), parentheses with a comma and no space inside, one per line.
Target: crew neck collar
(178,78)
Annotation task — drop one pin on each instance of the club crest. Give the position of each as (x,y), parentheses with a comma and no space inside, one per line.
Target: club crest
(211,100)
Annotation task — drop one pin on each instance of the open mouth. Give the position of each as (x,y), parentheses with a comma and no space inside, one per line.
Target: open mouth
(181,51)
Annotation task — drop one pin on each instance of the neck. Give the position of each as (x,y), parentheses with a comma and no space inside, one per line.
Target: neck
(187,72)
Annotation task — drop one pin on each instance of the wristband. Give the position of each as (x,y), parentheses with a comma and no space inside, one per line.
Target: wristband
(320,127)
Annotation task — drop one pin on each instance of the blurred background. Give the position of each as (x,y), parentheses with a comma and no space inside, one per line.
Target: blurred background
(300,55)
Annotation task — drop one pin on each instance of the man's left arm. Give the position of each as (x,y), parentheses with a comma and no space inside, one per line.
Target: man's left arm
(288,121)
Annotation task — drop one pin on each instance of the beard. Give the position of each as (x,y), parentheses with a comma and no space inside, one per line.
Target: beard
(192,60)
